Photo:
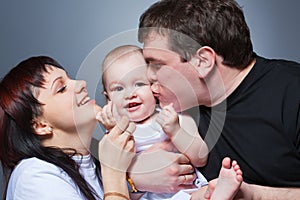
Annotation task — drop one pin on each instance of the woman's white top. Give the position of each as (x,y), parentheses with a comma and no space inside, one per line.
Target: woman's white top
(33,178)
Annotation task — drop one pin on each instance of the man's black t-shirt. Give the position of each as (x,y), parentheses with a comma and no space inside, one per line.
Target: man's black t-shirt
(258,125)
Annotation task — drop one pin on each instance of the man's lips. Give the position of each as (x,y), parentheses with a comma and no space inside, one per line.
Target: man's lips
(155,94)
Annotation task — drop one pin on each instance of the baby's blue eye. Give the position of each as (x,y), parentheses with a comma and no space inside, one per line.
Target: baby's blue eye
(117,89)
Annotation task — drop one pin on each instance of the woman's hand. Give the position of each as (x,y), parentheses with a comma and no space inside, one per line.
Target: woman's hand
(116,151)
(117,148)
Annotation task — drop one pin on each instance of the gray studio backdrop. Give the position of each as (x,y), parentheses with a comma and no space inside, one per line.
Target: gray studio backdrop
(78,33)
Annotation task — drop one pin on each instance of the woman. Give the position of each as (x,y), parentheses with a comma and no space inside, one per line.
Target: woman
(47,121)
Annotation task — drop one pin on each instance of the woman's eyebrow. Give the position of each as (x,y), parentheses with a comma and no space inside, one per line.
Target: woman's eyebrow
(58,78)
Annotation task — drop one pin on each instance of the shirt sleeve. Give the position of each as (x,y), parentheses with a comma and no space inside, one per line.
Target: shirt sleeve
(46,182)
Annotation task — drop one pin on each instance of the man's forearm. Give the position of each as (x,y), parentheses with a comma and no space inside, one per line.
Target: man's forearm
(257,192)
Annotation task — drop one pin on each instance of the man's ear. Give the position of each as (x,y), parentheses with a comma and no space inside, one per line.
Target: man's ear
(42,128)
(204,61)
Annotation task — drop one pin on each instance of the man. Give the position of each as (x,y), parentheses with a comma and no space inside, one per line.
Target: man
(200,53)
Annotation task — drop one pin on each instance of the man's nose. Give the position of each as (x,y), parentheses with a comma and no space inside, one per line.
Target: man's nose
(151,75)
(155,87)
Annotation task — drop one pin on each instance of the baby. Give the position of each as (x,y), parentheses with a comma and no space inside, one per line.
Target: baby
(128,92)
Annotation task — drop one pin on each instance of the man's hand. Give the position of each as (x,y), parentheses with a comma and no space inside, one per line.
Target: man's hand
(161,171)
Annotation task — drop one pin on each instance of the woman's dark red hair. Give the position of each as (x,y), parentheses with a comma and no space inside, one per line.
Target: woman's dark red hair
(18,109)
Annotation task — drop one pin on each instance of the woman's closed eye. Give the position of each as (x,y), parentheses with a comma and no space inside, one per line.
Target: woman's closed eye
(62,89)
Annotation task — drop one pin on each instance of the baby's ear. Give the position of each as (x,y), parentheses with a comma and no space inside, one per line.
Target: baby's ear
(106,96)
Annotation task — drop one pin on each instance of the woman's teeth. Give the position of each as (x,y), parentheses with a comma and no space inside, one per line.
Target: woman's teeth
(84,101)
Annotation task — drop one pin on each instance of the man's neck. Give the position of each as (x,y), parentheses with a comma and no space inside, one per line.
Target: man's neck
(231,78)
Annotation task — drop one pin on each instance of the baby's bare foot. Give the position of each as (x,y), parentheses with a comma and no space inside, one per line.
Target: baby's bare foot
(228,183)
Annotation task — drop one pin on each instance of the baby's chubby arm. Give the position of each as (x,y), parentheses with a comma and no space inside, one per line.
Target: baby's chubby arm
(184,135)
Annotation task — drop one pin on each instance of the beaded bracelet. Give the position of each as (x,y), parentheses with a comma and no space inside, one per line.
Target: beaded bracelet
(131,183)
(115,194)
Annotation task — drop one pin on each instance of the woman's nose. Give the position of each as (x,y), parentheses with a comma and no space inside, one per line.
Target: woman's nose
(80,86)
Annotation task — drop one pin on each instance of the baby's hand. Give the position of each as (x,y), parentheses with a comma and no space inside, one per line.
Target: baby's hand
(106,117)
(168,119)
